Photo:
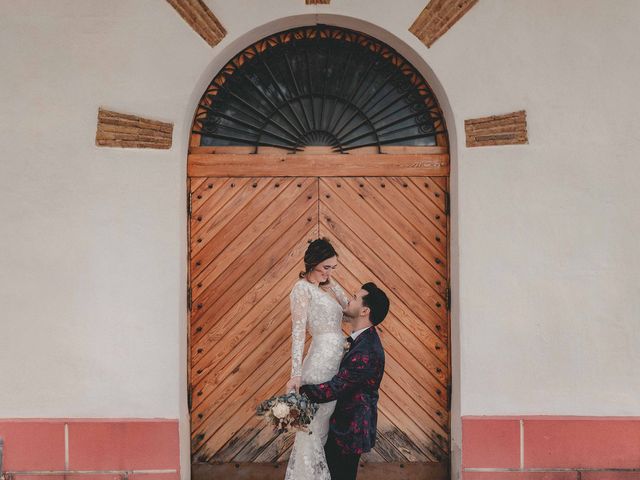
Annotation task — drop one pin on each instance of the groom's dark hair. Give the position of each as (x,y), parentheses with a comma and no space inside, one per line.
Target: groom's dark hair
(377,301)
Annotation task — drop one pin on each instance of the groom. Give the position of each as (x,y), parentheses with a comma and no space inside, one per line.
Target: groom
(352,428)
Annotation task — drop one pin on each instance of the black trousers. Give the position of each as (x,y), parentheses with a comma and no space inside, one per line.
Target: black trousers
(341,466)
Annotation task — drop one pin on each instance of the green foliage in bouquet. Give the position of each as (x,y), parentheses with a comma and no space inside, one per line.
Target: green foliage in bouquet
(288,412)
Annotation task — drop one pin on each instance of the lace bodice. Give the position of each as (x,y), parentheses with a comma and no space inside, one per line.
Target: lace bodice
(317,310)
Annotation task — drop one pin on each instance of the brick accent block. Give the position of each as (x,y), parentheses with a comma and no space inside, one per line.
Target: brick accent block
(507,129)
(201,19)
(130,131)
(438,17)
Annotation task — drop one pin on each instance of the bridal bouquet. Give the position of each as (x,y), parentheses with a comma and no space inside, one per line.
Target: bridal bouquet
(288,412)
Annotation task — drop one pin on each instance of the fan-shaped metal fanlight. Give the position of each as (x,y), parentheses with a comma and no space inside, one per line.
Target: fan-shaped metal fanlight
(318,85)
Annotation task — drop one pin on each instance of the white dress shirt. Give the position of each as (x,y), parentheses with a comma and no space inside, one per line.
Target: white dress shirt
(358,332)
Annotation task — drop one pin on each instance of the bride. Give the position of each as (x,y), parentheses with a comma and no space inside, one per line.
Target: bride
(317,304)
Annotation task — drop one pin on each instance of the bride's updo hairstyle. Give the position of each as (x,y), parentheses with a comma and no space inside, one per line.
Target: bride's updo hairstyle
(317,252)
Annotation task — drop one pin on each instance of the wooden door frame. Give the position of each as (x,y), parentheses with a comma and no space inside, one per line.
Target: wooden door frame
(233,162)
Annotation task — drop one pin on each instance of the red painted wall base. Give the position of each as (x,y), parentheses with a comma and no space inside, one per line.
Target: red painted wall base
(550,448)
(145,449)
(493,448)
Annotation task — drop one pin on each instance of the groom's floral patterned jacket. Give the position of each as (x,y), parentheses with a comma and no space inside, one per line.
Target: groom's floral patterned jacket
(355,387)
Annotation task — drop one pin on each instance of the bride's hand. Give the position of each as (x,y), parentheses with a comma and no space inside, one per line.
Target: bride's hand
(293,384)
(327,287)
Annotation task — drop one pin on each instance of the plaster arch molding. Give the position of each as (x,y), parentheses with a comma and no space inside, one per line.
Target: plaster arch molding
(230,46)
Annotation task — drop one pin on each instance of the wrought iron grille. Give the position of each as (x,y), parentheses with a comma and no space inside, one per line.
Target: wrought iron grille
(318,85)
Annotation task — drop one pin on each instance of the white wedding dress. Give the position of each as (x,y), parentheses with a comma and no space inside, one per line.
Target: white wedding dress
(318,311)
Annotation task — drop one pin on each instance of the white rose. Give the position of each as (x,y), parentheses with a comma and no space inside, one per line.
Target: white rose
(280,410)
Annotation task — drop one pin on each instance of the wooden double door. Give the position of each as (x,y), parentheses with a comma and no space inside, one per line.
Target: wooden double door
(247,240)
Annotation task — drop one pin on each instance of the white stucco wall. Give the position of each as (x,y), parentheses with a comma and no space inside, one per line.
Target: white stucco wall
(93,247)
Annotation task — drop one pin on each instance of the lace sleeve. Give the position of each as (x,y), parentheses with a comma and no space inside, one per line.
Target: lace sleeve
(341,295)
(299,299)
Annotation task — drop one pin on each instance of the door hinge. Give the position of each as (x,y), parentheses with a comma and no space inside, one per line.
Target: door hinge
(189,298)
(449,396)
(448,298)
(447,203)
(189,394)
(189,204)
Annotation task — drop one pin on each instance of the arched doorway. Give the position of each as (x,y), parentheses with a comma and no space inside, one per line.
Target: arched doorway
(317,131)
